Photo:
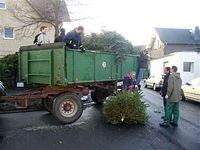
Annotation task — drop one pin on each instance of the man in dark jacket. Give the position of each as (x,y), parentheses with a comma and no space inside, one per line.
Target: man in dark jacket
(164,87)
(172,99)
(60,38)
(73,38)
(143,65)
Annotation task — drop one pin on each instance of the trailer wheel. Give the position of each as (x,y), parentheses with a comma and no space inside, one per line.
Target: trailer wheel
(97,98)
(47,104)
(67,107)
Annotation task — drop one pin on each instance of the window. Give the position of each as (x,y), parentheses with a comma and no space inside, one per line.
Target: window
(2,4)
(188,66)
(165,64)
(9,33)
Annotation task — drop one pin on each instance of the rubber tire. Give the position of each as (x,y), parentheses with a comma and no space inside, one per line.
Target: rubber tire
(154,87)
(96,98)
(182,96)
(56,106)
(47,105)
(146,86)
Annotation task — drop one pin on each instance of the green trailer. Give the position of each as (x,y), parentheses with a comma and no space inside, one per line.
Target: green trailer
(64,75)
(54,65)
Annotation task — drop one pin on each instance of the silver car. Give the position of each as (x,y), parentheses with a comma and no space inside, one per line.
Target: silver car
(154,82)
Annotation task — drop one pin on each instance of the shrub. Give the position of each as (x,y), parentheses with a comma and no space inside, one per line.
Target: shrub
(125,108)
(9,70)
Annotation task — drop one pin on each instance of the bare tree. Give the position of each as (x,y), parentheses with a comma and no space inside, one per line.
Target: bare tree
(30,17)
(31,14)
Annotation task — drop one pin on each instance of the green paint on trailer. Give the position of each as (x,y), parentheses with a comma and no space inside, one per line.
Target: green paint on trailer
(53,64)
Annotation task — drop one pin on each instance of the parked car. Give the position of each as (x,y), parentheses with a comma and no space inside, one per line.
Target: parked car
(191,90)
(154,82)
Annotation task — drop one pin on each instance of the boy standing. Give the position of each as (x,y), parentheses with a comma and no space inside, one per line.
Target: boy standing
(42,37)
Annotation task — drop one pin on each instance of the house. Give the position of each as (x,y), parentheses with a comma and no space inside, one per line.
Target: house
(21,20)
(139,48)
(179,47)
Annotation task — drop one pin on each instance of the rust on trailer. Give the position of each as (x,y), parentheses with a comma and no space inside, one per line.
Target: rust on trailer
(24,97)
(47,92)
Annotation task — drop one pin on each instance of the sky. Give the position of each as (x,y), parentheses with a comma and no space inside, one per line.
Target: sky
(134,19)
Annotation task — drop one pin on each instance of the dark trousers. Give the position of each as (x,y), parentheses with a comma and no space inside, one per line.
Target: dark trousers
(164,103)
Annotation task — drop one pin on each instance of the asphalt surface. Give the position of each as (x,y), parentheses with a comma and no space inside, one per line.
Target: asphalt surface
(39,130)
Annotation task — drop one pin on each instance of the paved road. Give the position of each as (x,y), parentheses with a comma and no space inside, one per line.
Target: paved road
(40,131)
(188,132)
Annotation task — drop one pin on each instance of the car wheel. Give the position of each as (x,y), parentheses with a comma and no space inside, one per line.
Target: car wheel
(145,85)
(154,87)
(183,96)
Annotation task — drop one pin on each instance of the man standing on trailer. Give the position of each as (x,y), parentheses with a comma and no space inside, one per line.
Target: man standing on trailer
(60,38)
(143,65)
(42,37)
(73,38)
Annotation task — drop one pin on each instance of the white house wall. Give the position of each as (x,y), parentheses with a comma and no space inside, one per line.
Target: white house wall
(189,57)
(156,65)
(177,59)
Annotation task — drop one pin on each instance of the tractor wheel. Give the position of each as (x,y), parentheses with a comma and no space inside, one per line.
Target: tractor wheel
(67,107)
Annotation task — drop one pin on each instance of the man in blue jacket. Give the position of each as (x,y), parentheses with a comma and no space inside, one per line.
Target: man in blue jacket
(73,38)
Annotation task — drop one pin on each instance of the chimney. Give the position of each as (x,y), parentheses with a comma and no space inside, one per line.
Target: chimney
(196,33)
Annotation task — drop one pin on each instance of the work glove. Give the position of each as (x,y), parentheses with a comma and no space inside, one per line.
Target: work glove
(166,97)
